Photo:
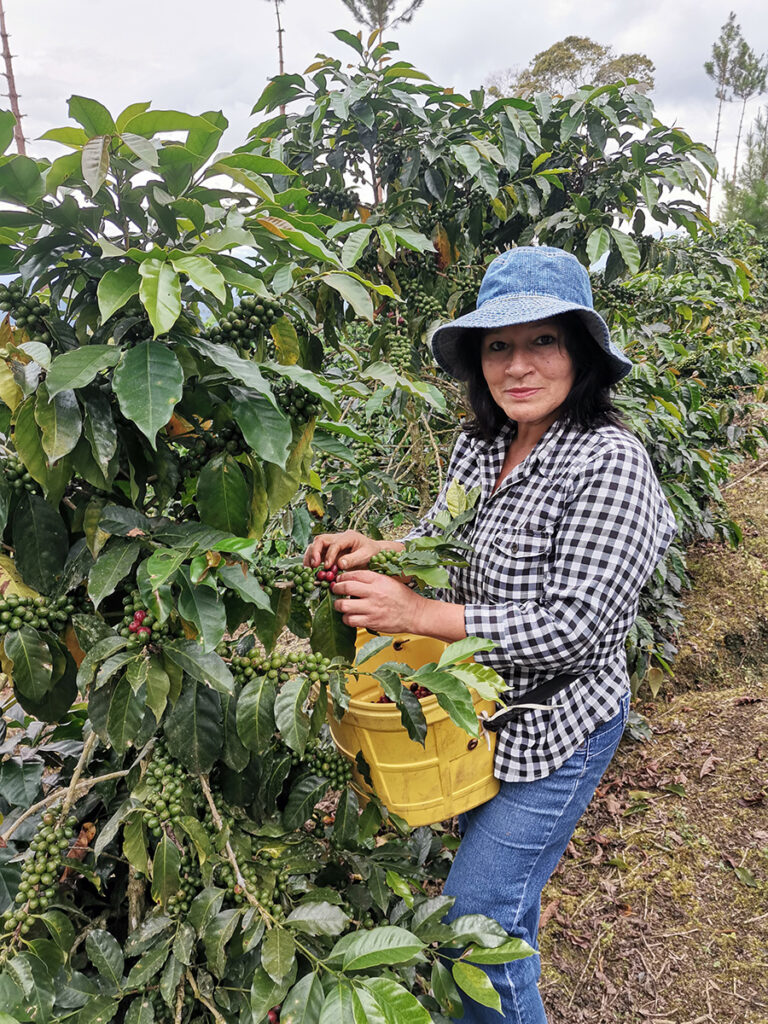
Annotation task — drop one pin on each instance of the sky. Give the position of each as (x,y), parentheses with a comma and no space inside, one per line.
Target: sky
(195,55)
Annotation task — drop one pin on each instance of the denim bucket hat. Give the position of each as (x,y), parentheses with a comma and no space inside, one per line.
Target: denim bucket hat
(524,284)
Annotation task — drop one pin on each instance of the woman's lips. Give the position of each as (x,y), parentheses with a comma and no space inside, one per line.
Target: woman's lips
(522,392)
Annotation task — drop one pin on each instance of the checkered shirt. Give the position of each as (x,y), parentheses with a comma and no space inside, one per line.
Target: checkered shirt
(560,554)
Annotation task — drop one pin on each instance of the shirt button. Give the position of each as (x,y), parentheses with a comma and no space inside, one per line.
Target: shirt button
(513,548)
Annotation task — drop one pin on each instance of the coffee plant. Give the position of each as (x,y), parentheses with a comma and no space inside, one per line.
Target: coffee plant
(206,357)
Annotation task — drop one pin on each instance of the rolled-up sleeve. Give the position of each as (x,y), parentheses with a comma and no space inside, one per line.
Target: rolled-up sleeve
(615,527)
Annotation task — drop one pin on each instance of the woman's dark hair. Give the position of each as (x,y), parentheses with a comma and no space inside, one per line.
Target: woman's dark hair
(589,403)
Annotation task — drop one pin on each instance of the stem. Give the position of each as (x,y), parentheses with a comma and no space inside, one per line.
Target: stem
(179,1003)
(201,999)
(438,460)
(69,798)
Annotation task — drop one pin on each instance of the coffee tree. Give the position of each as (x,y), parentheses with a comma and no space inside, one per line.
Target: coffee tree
(167,853)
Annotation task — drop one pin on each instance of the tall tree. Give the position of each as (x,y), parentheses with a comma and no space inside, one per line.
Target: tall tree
(13,96)
(569,63)
(747,197)
(720,69)
(380,14)
(280,31)
(749,78)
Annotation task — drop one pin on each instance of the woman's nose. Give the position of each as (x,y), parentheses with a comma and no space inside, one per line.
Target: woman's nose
(518,362)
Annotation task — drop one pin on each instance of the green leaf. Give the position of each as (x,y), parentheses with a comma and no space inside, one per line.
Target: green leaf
(140,1011)
(278,952)
(598,244)
(165,871)
(444,990)
(287,347)
(244,584)
(40,541)
(397,1003)
(304,1002)
(512,949)
(342,1005)
(160,294)
(193,728)
(330,636)
(290,719)
(203,273)
(353,292)
(266,993)
(100,429)
(463,649)
(223,498)
(32,662)
(255,713)
(202,606)
(476,984)
(59,421)
(32,975)
(106,956)
(203,667)
(111,567)
(204,907)
(135,845)
(347,824)
(302,799)
(79,367)
(354,246)
(371,648)
(95,162)
(148,384)
(628,248)
(124,715)
(115,288)
(217,935)
(60,928)
(477,928)
(317,919)
(388,944)
(92,115)
(151,962)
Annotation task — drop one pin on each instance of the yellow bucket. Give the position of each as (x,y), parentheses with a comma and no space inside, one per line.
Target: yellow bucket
(451,773)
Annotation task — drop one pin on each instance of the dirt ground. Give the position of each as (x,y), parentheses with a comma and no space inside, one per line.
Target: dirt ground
(658,912)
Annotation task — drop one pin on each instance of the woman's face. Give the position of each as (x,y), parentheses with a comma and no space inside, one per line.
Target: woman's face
(528,370)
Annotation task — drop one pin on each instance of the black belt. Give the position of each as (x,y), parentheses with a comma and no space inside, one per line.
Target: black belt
(535,696)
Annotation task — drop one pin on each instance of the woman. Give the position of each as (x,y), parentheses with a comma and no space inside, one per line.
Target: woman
(570,525)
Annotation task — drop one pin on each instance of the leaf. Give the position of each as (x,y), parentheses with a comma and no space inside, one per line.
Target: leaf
(347,824)
(151,962)
(160,294)
(92,115)
(317,919)
(267,430)
(477,928)
(342,1005)
(135,845)
(111,567)
(106,956)
(291,720)
(371,648)
(278,952)
(217,934)
(148,384)
(140,1011)
(203,667)
(60,422)
(397,1003)
(165,871)
(628,248)
(463,649)
(115,288)
(95,162)
(330,636)
(266,993)
(598,244)
(79,367)
(124,715)
(40,541)
(304,1002)
(512,949)
(203,273)
(255,713)
(202,606)
(244,584)
(60,928)
(476,984)
(223,499)
(353,292)
(304,795)
(193,728)
(388,944)
(32,662)
(286,341)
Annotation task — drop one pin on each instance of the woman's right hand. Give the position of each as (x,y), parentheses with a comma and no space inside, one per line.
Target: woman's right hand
(348,550)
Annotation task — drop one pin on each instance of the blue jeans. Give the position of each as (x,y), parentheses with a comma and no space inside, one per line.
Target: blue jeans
(510,847)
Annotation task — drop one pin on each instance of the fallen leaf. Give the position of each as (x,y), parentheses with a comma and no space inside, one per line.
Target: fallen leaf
(740,701)
(547,914)
(746,877)
(709,766)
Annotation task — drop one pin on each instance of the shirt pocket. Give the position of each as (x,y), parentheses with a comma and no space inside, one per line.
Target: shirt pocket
(519,564)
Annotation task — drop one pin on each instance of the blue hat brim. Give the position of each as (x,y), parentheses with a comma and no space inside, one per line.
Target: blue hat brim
(506,310)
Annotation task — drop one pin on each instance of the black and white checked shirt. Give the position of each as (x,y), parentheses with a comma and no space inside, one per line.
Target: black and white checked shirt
(560,554)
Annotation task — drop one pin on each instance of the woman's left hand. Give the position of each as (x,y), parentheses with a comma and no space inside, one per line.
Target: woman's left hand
(370,600)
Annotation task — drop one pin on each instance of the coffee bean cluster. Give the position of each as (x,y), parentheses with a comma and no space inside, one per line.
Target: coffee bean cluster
(280,667)
(164,780)
(297,403)
(325,577)
(162,1013)
(327,762)
(421,303)
(207,444)
(246,323)
(141,627)
(41,871)
(418,691)
(400,351)
(27,310)
(386,562)
(269,897)
(265,576)
(17,474)
(39,612)
(191,884)
(302,577)
(337,198)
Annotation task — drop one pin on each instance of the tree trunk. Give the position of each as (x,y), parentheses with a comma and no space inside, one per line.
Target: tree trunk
(13,96)
(738,139)
(280,31)
(714,148)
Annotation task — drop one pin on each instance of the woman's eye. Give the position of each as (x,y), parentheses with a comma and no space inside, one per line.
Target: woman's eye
(496,346)
(546,339)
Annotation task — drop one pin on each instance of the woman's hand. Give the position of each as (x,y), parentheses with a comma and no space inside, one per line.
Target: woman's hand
(369,600)
(348,550)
